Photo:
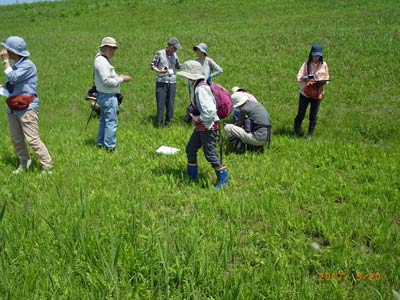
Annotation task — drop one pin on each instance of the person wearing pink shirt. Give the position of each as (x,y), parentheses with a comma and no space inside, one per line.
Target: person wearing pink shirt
(313,73)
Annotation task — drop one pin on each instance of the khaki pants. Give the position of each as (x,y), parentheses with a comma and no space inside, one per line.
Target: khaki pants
(232,130)
(26,126)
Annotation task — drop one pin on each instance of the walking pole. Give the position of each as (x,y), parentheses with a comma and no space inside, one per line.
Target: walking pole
(221,143)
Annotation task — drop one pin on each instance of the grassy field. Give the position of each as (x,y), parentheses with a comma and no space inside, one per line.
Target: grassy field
(313,219)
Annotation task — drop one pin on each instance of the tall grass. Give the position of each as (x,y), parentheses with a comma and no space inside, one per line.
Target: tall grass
(130,226)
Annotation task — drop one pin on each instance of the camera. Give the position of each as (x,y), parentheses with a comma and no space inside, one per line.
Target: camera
(9,87)
(190,110)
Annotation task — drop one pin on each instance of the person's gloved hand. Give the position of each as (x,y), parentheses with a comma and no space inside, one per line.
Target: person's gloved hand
(195,118)
(209,78)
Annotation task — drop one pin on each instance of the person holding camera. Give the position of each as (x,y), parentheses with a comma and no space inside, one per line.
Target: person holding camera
(107,83)
(210,70)
(312,76)
(165,63)
(253,124)
(205,118)
(23,104)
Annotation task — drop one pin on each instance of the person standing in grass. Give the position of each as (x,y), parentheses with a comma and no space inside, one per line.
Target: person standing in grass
(253,125)
(312,76)
(205,119)
(209,67)
(107,83)
(165,63)
(23,104)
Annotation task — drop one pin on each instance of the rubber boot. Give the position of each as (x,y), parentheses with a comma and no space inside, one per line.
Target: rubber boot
(296,128)
(192,170)
(311,127)
(222,175)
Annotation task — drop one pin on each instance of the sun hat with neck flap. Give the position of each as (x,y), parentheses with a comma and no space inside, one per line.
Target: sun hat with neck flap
(16,45)
(191,69)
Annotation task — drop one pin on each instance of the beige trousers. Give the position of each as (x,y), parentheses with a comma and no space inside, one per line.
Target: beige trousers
(26,126)
(232,130)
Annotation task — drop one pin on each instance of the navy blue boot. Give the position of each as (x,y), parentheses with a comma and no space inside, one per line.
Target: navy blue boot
(222,175)
(192,170)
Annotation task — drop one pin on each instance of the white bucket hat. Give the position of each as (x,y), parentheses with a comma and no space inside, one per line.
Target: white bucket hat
(109,41)
(238,99)
(16,45)
(202,47)
(191,69)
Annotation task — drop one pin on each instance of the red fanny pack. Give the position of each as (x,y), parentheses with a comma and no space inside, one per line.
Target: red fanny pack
(314,90)
(19,102)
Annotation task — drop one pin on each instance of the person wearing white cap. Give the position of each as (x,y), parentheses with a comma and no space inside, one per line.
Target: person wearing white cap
(165,63)
(23,104)
(107,83)
(253,126)
(205,119)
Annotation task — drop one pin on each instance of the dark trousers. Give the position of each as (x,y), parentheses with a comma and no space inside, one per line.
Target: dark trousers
(165,96)
(207,140)
(301,112)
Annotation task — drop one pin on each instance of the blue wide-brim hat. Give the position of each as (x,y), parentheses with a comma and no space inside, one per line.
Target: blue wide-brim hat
(16,45)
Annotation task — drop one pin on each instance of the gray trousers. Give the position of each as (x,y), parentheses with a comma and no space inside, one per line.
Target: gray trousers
(207,140)
(165,96)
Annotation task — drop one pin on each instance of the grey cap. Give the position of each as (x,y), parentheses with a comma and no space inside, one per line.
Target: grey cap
(202,47)
(174,42)
(16,45)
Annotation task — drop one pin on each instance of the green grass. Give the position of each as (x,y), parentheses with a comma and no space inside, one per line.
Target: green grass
(125,226)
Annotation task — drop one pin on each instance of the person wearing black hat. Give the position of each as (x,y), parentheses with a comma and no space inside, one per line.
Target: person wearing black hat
(312,76)
(23,104)
(165,63)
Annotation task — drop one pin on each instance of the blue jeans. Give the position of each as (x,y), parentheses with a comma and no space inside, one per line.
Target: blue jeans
(107,135)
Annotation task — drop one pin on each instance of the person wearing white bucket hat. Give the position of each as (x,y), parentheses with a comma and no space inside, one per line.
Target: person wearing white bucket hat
(107,83)
(165,63)
(206,124)
(250,97)
(23,104)
(253,126)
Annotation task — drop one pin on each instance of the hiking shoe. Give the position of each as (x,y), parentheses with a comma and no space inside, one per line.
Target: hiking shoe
(21,168)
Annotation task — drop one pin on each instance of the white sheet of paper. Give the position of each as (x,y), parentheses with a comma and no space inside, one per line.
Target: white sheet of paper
(167,150)
(3,91)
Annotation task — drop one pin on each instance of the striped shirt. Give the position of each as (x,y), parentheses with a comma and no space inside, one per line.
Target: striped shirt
(164,59)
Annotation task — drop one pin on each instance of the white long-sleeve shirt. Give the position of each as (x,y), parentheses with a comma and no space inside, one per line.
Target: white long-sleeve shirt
(105,77)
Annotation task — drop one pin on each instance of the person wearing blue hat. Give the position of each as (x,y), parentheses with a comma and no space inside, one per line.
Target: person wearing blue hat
(165,63)
(312,76)
(23,104)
